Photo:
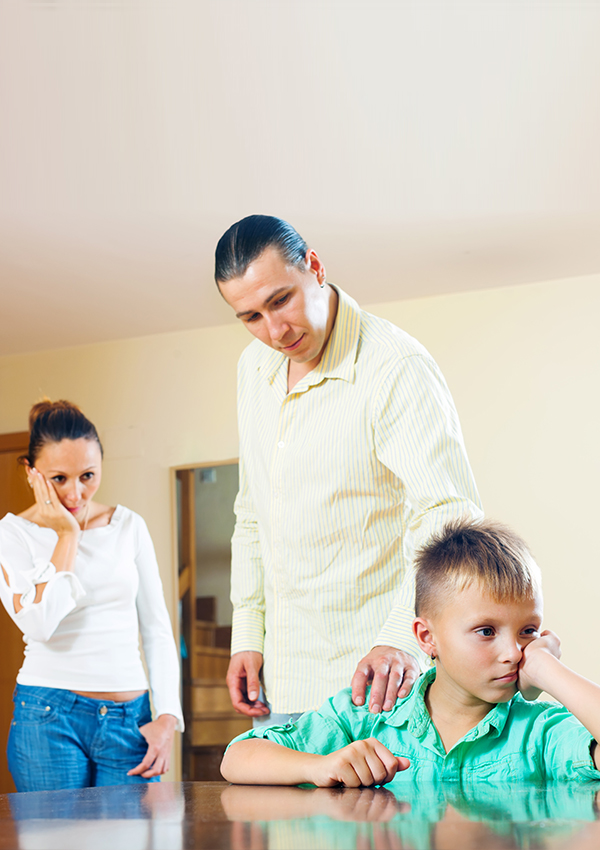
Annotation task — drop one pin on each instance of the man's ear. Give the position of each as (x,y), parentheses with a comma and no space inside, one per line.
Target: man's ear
(423,632)
(314,264)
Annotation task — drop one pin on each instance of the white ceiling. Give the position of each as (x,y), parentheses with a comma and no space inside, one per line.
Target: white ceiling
(421,147)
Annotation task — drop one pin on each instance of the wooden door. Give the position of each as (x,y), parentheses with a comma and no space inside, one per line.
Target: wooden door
(15,496)
(210,720)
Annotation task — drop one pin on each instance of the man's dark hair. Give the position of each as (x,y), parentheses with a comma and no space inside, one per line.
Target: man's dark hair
(245,241)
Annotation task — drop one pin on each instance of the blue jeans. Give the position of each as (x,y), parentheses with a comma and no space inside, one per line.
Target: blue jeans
(59,739)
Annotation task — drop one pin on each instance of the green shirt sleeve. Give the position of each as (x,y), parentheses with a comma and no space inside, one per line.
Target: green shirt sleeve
(337,723)
(566,745)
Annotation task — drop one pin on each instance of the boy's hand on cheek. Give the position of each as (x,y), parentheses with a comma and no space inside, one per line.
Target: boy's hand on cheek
(531,668)
(360,763)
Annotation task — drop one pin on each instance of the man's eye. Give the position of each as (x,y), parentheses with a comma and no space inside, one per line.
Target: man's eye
(282,300)
(252,318)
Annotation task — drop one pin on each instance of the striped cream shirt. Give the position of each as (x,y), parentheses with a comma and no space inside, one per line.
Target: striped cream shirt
(340,480)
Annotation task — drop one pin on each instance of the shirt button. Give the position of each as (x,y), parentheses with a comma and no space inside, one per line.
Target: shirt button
(280,445)
(103,710)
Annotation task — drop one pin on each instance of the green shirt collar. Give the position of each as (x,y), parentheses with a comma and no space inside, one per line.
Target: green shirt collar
(412,713)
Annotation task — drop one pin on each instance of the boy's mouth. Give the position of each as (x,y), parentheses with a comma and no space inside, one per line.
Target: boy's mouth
(510,677)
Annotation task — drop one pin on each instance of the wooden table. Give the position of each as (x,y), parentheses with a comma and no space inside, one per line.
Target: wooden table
(214,815)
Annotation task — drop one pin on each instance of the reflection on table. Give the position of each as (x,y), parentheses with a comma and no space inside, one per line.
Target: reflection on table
(214,815)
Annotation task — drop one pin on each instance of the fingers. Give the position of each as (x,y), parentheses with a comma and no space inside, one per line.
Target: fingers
(40,487)
(360,680)
(252,682)
(243,681)
(411,674)
(379,687)
(155,763)
(393,674)
(552,642)
(365,763)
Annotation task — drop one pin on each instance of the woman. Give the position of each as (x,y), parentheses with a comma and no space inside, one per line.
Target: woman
(81,581)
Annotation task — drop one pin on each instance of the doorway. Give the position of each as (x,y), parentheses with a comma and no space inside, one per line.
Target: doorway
(15,496)
(205,522)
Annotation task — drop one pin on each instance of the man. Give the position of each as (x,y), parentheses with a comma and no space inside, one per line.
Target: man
(351,456)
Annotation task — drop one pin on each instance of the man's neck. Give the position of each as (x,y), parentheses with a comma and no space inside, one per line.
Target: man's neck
(297,371)
(452,712)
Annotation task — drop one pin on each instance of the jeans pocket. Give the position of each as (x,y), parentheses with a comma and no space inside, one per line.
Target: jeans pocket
(34,712)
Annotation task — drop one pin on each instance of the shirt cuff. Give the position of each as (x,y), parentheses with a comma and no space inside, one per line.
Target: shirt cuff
(248,631)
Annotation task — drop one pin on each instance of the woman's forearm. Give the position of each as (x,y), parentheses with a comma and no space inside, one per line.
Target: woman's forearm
(63,559)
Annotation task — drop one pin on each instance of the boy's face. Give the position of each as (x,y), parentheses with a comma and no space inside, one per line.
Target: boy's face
(479,644)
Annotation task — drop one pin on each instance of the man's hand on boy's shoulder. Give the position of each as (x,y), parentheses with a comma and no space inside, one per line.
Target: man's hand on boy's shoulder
(531,666)
(365,763)
(392,674)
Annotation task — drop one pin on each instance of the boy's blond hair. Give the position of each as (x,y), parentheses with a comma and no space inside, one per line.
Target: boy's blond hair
(479,552)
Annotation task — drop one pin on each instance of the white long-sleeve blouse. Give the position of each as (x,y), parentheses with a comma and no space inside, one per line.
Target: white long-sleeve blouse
(84,633)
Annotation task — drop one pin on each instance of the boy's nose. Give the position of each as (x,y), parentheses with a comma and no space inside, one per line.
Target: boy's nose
(512,651)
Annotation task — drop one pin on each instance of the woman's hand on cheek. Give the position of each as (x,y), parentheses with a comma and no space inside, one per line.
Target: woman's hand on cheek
(52,512)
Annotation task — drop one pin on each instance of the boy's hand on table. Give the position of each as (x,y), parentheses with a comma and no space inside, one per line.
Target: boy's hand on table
(360,763)
(532,663)
(392,673)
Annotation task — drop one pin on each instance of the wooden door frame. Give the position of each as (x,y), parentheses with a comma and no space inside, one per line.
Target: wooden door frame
(17,441)
(184,582)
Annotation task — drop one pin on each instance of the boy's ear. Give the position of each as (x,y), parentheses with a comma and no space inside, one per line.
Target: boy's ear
(424,635)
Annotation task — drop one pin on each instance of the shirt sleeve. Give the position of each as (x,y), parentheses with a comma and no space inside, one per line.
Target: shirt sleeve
(337,723)
(418,437)
(25,570)
(247,574)
(567,745)
(156,631)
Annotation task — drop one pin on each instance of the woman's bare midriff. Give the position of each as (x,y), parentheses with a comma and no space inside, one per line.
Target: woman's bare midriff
(117,696)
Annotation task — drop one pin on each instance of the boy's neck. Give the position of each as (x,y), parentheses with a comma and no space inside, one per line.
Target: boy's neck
(452,711)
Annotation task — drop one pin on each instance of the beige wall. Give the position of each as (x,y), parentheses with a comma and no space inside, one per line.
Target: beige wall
(522,364)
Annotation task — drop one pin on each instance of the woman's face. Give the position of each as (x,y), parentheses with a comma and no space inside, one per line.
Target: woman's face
(74,468)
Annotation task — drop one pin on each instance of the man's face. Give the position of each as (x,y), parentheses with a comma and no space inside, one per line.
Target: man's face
(479,644)
(284,306)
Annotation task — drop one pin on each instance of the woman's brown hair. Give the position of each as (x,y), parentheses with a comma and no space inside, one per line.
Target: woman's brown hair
(53,421)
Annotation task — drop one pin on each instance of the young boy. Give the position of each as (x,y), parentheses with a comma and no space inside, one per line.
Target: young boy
(478,606)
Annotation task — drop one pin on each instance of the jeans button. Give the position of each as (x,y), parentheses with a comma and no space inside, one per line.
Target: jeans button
(103,710)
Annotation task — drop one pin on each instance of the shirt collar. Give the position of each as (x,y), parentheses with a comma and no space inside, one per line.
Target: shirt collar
(413,711)
(339,356)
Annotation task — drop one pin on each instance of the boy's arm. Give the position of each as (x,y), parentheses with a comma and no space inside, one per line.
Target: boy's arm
(257,761)
(578,694)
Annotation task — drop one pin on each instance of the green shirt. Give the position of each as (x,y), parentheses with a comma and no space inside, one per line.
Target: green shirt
(516,741)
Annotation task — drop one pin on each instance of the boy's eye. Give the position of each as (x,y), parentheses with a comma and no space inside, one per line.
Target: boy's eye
(486,631)
(531,631)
